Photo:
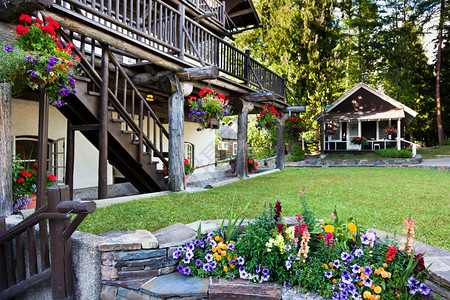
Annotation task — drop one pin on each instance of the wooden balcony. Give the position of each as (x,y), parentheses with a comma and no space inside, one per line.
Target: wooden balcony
(173,39)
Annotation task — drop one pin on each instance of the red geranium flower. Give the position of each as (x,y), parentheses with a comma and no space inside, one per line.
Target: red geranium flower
(52,177)
(20,29)
(38,20)
(25,18)
(20,180)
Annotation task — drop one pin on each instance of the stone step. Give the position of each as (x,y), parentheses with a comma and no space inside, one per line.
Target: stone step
(176,285)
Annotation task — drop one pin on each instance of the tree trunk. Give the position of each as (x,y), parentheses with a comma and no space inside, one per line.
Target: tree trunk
(176,139)
(6,203)
(438,77)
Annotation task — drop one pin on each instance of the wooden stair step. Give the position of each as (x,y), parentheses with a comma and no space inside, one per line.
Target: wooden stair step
(111,108)
(92,93)
(81,78)
(117,120)
(165,154)
(127,131)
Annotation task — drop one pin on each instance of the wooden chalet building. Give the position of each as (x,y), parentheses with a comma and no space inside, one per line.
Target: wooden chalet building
(364,111)
(140,59)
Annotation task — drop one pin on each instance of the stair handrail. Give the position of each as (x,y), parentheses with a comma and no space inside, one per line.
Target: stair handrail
(116,103)
(414,146)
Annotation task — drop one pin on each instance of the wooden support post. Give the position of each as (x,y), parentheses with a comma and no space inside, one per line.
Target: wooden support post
(103,132)
(247,67)
(61,268)
(280,144)
(42,148)
(182,11)
(6,202)
(70,152)
(3,265)
(176,137)
(241,161)
(399,134)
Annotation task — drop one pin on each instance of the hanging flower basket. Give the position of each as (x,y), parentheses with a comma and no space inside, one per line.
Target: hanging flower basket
(331,130)
(269,118)
(390,130)
(293,128)
(358,140)
(209,108)
(37,58)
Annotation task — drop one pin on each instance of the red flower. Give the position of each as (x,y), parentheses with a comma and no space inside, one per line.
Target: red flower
(391,253)
(52,177)
(420,264)
(20,180)
(280,228)
(77,57)
(208,91)
(320,236)
(25,18)
(34,171)
(257,164)
(25,174)
(255,168)
(250,161)
(202,92)
(21,30)
(35,164)
(221,96)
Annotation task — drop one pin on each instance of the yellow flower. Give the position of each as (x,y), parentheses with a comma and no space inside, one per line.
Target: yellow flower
(218,258)
(377,289)
(225,268)
(218,238)
(231,265)
(377,297)
(329,228)
(224,253)
(352,227)
(367,294)
(385,265)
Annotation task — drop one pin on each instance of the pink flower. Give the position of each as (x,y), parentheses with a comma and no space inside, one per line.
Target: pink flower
(302,192)
(333,216)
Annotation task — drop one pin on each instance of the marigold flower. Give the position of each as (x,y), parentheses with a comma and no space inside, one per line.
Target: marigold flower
(352,227)
(218,238)
(334,280)
(385,265)
(218,258)
(360,283)
(64,70)
(225,268)
(366,294)
(377,289)
(224,253)
(329,228)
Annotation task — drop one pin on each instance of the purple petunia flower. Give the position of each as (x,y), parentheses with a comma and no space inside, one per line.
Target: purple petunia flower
(212,243)
(344,255)
(412,282)
(180,269)
(190,246)
(213,264)
(286,284)
(336,263)
(367,282)
(358,252)
(367,271)
(288,264)
(230,247)
(365,239)
(232,276)
(198,262)
(241,269)
(240,261)
(33,74)
(49,68)
(9,49)
(265,277)
(346,278)
(265,271)
(258,269)
(187,271)
(209,257)
(205,267)
(355,268)
(328,274)
(27,57)
(177,254)
(423,289)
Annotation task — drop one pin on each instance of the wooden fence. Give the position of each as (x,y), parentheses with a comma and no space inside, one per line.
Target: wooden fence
(19,266)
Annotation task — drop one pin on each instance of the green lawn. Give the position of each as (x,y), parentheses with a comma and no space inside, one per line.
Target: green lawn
(377,197)
(434,152)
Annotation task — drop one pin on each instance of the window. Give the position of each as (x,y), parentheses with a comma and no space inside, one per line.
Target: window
(189,152)
(235,148)
(223,146)
(27,147)
(336,136)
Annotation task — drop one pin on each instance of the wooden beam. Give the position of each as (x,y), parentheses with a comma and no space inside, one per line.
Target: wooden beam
(11,10)
(6,203)
(240,12)
(279,160)
(258,97)
(241,160)
(103,131)
(176,138)
(188,74)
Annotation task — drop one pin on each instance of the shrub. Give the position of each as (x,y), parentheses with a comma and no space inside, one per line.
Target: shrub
(297,153)
(394,153)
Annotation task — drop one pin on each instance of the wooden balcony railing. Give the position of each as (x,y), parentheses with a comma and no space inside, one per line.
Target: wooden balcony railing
(167,31)
(210,6)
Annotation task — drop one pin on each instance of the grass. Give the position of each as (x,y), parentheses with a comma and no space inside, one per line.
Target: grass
(381,198)
(434,152)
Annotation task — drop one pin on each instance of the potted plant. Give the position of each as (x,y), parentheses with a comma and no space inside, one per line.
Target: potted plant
(37,58)
(331,130)
(358,140)
(390,130)
(208,108)
(293,128)
(269,118)
(24,180)
(252,164)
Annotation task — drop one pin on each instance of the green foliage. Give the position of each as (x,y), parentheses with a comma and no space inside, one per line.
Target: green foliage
(297,153)
(394,153)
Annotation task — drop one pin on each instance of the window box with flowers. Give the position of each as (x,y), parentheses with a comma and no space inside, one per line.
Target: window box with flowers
(358,140)
(269,118)
(24,180)
(37,58)
(210,107)
(331,130)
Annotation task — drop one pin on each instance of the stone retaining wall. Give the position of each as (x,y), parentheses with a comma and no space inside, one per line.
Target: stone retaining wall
(390,163)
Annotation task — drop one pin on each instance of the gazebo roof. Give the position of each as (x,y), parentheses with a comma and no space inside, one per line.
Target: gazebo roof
(363,102)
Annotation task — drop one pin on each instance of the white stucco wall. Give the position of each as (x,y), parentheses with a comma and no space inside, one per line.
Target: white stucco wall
(204,150)
(24,117)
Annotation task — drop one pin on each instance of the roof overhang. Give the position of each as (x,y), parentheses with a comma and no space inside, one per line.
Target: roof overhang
(242,13)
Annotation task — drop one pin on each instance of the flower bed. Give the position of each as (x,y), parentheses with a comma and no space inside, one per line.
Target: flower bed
(358,140)
(333,258)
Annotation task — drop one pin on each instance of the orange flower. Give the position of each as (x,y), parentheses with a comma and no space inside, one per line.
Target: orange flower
(377,289)
(225,268)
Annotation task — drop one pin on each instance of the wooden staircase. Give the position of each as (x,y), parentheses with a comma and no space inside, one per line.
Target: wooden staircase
(136,137)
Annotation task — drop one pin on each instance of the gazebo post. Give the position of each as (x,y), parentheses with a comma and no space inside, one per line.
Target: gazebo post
(399,144)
